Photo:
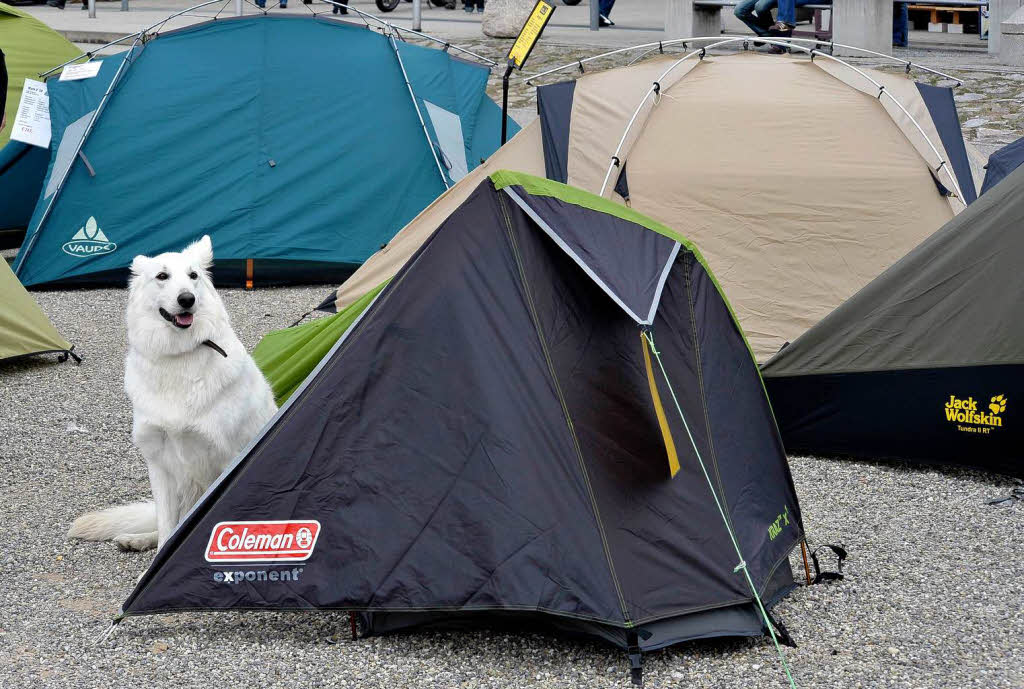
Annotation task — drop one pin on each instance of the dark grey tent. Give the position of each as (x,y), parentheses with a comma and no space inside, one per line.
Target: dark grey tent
(927,361)
(1003,162)
(488,440)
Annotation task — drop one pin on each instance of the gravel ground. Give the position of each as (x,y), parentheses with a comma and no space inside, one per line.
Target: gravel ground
(933,596)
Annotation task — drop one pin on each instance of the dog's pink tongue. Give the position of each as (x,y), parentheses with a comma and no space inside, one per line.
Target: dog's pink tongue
(183,319)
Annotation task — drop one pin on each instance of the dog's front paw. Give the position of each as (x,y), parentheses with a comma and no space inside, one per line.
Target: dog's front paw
(136,542)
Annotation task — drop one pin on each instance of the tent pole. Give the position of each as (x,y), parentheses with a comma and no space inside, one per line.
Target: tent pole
(655,90)
(694,39)
(504,105)
(423,124)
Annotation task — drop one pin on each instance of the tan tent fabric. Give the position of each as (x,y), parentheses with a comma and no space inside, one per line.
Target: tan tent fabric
(905,91)
(796,204)
(524,153)
(797,182)
(24,329)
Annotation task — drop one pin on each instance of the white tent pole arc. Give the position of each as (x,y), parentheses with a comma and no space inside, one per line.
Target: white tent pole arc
(90,54)
(392,27)
(692,39)
(129,54)
(419,114)
(655,87)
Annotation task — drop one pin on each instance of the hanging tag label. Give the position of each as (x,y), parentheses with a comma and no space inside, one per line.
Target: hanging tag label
(32,123)
(530,32)
(86,70)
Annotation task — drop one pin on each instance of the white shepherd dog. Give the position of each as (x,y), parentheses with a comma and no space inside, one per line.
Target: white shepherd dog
(197,396)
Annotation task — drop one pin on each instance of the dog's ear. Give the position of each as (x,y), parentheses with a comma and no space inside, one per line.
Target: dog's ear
(139,264)
(201,252)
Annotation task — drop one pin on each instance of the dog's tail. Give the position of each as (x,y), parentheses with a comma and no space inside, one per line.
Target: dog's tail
(139,517)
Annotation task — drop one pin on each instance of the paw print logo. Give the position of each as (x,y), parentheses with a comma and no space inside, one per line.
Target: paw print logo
(998,404)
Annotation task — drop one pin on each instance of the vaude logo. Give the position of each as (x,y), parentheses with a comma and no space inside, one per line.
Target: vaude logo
(273,541)
(89,241)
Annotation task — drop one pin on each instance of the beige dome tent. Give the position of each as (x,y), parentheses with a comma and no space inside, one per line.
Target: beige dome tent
(801,179)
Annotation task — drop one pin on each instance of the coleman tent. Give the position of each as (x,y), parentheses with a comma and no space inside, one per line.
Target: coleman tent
(24,329)
(301,144)
(927,361)
(1003,162)
(498,436)
(30,48)
(799,179)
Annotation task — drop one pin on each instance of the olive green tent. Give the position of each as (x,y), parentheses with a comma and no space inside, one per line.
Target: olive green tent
(30,47)
(24,329)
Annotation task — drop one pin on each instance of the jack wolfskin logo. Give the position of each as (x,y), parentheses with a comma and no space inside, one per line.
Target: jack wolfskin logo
(89,241)
(964,412)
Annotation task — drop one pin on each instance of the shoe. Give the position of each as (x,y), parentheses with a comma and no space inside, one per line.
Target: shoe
(604,21)
(479,10)
(468,9)
(55,3)
(781,29)
(283,5)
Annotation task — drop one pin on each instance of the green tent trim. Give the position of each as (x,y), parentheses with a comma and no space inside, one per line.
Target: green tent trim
(30,47)
(24,328)
(286,357)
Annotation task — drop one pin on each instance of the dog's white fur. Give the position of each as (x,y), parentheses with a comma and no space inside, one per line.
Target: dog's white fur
(193,409)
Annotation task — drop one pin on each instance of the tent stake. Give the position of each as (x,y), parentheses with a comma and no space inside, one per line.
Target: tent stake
(807,567)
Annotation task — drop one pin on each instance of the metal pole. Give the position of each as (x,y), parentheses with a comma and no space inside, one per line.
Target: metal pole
(124,5)
(92,9)
(238,8)
(595,13)
(504,105)
(417,12)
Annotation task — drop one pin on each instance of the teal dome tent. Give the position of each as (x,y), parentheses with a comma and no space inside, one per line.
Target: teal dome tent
(300,144)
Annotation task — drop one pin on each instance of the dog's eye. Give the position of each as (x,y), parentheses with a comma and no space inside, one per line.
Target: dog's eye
(193,275)
(161,276)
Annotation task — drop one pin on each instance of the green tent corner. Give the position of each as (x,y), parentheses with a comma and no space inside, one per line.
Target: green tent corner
(24,328)
(287,356)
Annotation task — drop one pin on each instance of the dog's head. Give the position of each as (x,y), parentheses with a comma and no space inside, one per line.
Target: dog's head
(171,300)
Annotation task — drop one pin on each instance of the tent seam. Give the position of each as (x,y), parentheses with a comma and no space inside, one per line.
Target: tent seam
(703,396)
(565,411)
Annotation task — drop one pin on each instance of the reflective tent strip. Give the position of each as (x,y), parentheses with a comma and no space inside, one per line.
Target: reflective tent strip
(659,410)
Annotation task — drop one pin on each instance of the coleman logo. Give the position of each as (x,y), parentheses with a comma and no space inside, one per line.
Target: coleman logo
(89,241)
(970,418)
(281,541)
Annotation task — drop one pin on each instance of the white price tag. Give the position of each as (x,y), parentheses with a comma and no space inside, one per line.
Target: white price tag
(86,70)
(32,123)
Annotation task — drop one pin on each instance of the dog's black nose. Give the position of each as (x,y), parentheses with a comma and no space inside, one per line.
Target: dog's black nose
(186,300)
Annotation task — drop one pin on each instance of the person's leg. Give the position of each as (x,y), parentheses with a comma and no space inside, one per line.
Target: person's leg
(605,8)
(744,11)
(787,13)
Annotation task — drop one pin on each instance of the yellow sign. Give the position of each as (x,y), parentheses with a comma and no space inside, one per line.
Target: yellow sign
(529,34)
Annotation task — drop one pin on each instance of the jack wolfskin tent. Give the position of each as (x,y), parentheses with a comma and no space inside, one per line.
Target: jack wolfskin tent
(30,48)
(24,328)
(294,141)
(927,361)
(495,436)
(799,181)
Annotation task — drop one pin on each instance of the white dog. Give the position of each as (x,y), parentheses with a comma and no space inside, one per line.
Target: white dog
(197,396)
